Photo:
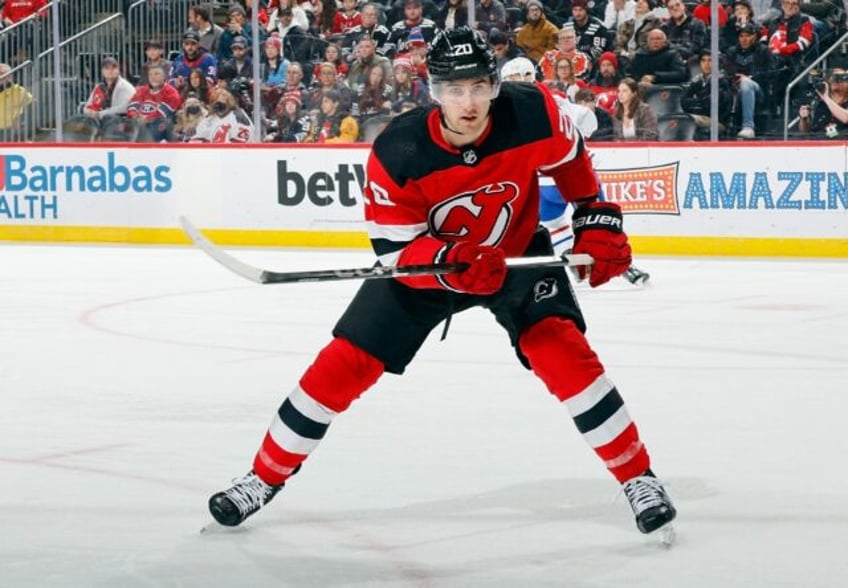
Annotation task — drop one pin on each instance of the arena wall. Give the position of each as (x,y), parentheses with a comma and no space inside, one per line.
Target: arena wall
(746,200)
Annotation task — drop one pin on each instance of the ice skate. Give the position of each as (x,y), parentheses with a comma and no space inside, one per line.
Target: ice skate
(636,276)
(248,494)
(651,505)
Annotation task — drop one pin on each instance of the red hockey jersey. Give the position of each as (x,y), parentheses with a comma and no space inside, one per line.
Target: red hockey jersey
(421,192)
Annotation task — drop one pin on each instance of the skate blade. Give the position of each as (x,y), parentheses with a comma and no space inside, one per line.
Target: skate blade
(215,528)
(666,536)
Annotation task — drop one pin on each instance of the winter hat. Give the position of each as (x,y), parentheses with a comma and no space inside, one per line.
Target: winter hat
(236,9)
(403,62)
(584,4)
(535,3)
(293,96)
(274,42)
(415,38)
(609,56)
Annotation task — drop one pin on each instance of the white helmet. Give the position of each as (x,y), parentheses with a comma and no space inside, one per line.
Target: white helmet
(519,69)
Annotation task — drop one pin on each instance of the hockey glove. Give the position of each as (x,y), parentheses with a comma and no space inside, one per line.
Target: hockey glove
(486,268)
(598,231)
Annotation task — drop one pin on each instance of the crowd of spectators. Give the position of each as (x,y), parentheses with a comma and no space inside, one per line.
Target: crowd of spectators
(337,71)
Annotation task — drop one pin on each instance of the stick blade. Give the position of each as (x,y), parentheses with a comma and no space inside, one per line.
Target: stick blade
(228,261)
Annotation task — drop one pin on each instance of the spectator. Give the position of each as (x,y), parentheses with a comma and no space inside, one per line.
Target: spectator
(538,35)
(604,130)
(828,117)
(273,70)
(296,40)
(14,99)
(200,20)
(703,12)
(788,39)
(155,55)
(262,16)
(659,63)
(192,57)
(565,83)
(333,125)
(697,99)
(566,47)
(240,65)
(111,96)
(347,18)
(323,18)
(370,27)
(293,124)
(591,32)
(333,54)
(633,34)
(688,36)
(237,26)
(401,30)
(197,87)
(618,12)
(188,117)
(375,96)
(634,119)
(490,14)
(406,88)
(155,104)
(325,83)
(750,66)
(14,11)
(366,56)
(765,11)
(503,49)
(605,83)
(287,8)
(225,123)
(454,13)
(294,82)
(742,15)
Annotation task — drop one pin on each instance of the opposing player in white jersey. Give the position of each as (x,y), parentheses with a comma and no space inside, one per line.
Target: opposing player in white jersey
(552,208)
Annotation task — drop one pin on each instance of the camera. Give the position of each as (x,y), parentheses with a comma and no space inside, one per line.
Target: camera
(820,86)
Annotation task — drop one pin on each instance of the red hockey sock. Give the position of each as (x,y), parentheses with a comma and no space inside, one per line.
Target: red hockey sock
(339,375)
(560,355)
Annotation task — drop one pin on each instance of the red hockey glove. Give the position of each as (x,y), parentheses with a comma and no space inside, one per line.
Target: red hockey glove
(486,268)
(598,231)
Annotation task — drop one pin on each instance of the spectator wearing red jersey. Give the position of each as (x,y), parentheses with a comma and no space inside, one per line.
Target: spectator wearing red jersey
(347,18)
(605,83)
(154,104)
(703,12)
(16,10)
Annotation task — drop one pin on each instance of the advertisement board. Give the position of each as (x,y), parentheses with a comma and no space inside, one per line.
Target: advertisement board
(759,200)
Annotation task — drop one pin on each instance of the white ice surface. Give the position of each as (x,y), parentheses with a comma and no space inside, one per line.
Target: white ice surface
(134,382)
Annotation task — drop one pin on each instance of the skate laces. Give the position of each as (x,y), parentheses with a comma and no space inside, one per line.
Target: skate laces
(644,492)
(248,493)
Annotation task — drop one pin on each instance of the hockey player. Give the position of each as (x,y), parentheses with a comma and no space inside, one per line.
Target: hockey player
(458,183)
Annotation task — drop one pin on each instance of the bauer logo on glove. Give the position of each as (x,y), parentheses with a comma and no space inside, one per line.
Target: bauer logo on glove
(599,231)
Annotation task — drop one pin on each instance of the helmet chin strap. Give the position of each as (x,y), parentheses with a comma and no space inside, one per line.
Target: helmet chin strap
(445,123)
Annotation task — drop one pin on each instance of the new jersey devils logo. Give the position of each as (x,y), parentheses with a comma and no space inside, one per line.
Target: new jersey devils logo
(481,216)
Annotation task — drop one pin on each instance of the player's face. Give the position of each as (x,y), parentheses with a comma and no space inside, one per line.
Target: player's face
(465,106)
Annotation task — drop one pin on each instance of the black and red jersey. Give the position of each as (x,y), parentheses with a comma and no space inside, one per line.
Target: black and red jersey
(422,192)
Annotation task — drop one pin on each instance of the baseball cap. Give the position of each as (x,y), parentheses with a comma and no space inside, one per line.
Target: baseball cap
(748,27)
(109,60)
(236,9)
(191,35)
(239,41)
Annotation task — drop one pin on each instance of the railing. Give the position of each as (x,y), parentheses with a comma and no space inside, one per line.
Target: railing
(17,104)
(802,76)
(80,56)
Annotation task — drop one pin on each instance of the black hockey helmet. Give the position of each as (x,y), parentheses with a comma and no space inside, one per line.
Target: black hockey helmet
(460,54)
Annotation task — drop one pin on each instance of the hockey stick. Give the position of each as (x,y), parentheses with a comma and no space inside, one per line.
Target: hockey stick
(262,276)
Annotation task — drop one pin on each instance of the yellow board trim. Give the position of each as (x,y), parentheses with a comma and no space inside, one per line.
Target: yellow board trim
(694,246)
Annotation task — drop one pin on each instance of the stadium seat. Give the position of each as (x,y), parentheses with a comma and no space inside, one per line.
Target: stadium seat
(664,99)
(676,127)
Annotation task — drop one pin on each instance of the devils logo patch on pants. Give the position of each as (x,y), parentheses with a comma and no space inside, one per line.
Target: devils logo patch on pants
(543,289)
